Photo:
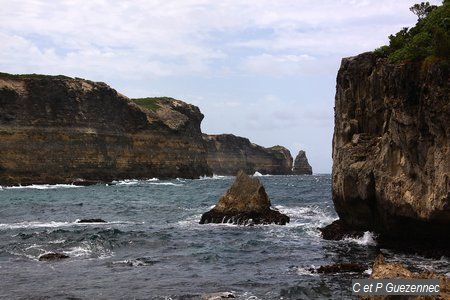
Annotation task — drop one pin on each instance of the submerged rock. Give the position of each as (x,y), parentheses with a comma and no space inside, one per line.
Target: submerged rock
(246,202)
(340,268)
(339,230)
(384,270)
(52,256)
(301,164)
(91,221)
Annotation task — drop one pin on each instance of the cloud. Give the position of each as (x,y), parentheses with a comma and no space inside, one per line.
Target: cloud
(278,65)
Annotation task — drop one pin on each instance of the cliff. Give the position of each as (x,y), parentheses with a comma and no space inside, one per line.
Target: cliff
(56,129)
(227,154)
(391,147)
(301,164)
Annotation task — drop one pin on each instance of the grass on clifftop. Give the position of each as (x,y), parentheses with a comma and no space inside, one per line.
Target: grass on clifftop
(150,103)
(37,76)
(428,40)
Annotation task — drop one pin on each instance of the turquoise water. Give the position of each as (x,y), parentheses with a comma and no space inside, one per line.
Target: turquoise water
(153,247)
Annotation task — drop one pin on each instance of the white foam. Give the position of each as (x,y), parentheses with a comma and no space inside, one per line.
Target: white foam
(34,224)
(368,239)
(257,174)
(306,271)
(214,177)
(78,251)
(43,186)
(166,183)
(126,182)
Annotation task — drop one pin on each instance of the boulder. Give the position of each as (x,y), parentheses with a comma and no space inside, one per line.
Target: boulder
(301,164)
(246,202)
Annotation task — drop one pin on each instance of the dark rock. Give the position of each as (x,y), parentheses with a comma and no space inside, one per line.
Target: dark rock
(85,182)
(339,230)
(91,221)
(56,129)
(227,154)
(246,202)
(301,164)
(391,148)
(340,268)
(52,256)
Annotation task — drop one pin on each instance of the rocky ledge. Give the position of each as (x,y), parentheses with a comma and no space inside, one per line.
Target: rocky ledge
(301,164)
(245,203)
(388,270)
(227,154)
(56,129)
(391,148)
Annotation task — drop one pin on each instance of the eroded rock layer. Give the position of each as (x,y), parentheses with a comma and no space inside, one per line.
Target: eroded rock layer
(55,129)
(227,154)
(391,163)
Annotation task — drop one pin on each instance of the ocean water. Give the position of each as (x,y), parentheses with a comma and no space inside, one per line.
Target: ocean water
(153,247)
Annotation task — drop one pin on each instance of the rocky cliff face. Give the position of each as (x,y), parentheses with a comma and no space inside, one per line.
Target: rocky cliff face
(301,164)
(55,129)
(227,154)
(391,147)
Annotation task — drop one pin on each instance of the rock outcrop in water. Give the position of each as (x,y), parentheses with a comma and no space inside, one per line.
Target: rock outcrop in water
(301,164)
(391,148)
(56,129)
(227,154)
(246,202)
(387,270)
(52,256)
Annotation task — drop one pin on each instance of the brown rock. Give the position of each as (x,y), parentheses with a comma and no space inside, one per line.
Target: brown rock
(301,164)
(56,129)
(384,270)
(391,148)
(246,202)
(227,154)
(52,256)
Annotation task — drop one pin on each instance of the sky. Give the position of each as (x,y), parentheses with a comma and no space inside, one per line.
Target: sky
(262,69)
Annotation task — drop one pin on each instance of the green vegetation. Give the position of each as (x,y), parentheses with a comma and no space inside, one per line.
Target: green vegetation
(38,76)
(277,148)
(429,39)
(150,103)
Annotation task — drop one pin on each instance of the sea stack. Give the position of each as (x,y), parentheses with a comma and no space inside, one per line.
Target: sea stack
(391,148)
(301,164)
(246,202)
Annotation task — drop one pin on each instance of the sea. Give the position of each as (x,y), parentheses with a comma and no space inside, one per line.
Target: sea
(153,247)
